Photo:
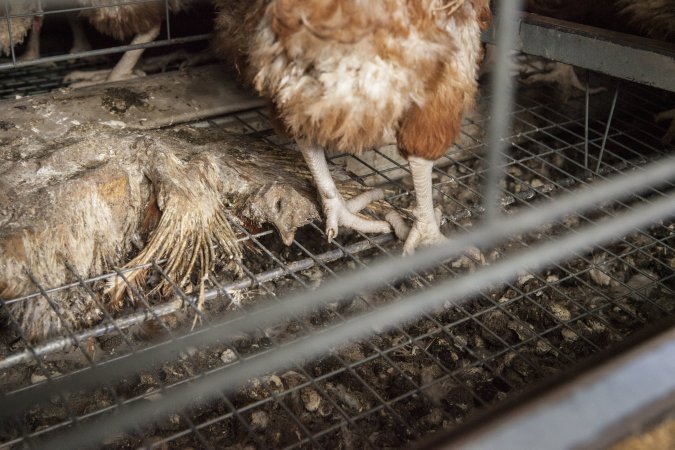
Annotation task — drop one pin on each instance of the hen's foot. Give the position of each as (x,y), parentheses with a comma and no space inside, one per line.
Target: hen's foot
(425,235)
(425,231)
(669,137)
(123,70)
(341,213)
(564,76)
(422,234)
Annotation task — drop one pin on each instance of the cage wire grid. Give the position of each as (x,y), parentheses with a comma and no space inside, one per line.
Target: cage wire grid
(56,8)
(466,356)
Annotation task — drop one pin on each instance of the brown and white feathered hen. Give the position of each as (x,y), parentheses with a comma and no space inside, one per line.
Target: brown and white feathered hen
(14,31)
(140,22)
(351,75)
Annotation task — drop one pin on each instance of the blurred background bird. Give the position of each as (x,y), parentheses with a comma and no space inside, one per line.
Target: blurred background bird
(25,19)
(654,19)
(141,22)
(352,75)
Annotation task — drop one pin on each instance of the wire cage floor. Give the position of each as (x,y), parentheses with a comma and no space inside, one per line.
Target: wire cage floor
(402,383)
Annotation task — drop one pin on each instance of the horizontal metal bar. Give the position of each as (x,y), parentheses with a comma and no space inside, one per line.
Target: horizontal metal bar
(105,51)
(590,411)
(620,55)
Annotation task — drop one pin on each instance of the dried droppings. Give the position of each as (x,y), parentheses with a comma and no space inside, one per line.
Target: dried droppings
(569,335)
(228,356)
(599,272)
(524,278)
(560,312)
(311,399)
(37,378)
(259,420)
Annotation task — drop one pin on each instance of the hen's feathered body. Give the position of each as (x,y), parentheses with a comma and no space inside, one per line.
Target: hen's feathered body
(351,75)
(126,21)
(652,18)
(20,26)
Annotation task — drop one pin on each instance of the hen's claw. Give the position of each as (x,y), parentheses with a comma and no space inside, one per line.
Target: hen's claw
(426,236)
(344,213)
(339,212)
(90,78)
(423,234)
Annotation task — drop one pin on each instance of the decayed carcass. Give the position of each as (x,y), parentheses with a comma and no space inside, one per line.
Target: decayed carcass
(96,198)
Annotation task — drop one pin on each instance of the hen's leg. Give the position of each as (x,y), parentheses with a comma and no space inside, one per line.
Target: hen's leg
(123,70)
(670,134)
(80,41)
(33,45)
(425,231)
(339,212)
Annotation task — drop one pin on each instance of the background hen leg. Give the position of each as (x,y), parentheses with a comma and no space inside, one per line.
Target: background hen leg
(338,211)
(80,41)
(123,70)
(33,45)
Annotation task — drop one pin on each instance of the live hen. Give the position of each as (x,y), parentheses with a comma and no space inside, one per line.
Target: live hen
(352,75)
(141,21)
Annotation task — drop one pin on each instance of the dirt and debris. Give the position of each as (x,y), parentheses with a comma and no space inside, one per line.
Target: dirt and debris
(401,384)
(119,100)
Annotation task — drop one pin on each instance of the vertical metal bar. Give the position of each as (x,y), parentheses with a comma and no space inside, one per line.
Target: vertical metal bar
(168,22)
(586,118)
(502,87)
(609,124)
(9,33)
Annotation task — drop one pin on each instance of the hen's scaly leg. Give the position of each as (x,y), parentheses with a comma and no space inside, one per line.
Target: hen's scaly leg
(33,45)
(123,70)
(339,212)
(80,41)
(425,231)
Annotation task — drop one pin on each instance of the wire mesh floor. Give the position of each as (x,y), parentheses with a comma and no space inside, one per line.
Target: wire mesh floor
(403,383)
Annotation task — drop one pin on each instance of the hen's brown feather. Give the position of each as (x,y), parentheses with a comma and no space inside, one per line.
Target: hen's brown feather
(351,75)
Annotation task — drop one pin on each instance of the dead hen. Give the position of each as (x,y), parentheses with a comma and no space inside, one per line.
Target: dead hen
(98,198)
